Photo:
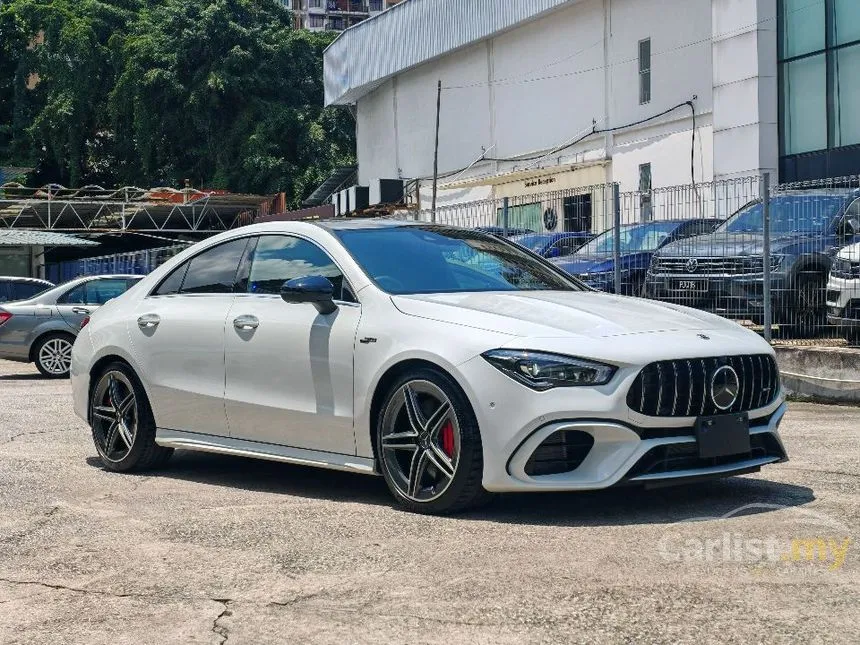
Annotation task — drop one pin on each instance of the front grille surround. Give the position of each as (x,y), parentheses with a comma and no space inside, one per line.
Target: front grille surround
(708,266)
(845,269)
(681,387)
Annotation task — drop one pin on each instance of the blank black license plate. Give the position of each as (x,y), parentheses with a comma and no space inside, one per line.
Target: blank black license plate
(724,435)
(691,286)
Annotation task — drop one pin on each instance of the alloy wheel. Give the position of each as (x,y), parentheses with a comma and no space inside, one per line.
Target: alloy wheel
(420,441)
(114,416)
(55,356)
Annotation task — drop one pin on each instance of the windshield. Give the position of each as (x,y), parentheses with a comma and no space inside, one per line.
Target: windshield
(438,259)
(532,242)
(788,214)
(634,238)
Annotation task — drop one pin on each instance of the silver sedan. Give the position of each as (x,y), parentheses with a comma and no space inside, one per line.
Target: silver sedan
(43,329)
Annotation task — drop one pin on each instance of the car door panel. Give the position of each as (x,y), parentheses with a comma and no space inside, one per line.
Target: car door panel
(177,335)
(178,342)
(289,368)
(290,378)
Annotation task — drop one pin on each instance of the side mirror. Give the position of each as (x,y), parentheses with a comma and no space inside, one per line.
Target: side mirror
(314,289)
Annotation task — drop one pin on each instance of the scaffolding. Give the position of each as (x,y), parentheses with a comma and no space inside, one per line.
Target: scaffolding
(94,209)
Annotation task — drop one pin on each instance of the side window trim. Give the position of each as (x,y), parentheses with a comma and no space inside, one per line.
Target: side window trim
(187,263)
(346,283)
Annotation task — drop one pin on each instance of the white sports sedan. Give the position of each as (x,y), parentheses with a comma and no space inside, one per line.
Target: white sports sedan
(453,363)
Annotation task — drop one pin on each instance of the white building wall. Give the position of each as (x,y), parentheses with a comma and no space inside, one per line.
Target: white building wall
(546,82)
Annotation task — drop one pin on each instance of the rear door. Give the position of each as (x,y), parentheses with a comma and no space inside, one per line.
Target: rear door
(177,337)
(82,300)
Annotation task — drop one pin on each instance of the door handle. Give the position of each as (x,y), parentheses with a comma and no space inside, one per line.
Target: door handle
(148,321)
(80,310)
(246,323)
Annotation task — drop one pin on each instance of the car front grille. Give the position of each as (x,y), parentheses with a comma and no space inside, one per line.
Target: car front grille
(845,269)
(685,456)
(561,452)
(711,266)
(682,388)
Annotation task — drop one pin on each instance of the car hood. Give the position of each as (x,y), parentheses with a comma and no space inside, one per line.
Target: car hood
(728,244)
(581,264)
(559,313)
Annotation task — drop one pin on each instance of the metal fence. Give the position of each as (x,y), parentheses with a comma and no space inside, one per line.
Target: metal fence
(782,259)
(130,263)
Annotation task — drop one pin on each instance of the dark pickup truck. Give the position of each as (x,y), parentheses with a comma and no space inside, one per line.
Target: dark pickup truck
(723,271)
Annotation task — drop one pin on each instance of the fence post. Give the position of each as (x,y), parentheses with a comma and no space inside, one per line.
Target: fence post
(505,207)
(768,305)
(616,242)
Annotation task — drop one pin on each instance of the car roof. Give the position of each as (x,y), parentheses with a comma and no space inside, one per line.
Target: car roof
(12,278)
(347,224)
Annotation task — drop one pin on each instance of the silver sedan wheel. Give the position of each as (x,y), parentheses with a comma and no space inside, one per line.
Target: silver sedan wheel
(420,441)
(114,416)
(56,356)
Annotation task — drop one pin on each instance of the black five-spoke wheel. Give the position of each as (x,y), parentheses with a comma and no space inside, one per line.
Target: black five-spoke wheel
(428,444)
(122,422)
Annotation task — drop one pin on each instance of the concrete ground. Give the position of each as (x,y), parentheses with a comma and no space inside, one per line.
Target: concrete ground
(223,550)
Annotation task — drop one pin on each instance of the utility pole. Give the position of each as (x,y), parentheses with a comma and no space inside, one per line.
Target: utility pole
(436,152)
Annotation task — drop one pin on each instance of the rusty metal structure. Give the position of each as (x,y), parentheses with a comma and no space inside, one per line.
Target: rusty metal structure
(95,209)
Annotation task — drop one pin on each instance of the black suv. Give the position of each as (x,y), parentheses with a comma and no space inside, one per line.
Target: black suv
(12,288)
(723,271)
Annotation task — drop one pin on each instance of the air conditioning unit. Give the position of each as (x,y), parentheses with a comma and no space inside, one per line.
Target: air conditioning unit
(359,197)
(386,191)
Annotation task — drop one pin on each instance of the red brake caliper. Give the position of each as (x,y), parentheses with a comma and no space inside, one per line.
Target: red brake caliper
(447,435)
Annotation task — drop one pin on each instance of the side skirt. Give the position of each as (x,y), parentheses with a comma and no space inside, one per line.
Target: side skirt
(269,451)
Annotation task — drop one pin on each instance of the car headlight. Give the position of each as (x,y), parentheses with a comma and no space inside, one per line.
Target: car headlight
(544,371)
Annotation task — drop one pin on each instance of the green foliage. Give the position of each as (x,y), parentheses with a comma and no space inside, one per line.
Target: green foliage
(152,92)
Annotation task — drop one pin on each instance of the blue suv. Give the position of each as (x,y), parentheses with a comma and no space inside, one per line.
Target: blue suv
(724,272)
(594,263)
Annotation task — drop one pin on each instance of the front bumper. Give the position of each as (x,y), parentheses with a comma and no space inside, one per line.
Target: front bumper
(734,296)
(515,421)
(843,302)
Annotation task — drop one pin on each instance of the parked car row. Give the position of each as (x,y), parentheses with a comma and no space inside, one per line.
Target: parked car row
(41,329)
(718,266)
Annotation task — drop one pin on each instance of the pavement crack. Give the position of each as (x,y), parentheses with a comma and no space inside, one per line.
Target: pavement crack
(27,434)
(296,600)
(221,630)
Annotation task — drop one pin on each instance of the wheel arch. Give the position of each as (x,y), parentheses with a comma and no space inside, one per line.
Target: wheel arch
(98,367)
(387,379)
(42,334)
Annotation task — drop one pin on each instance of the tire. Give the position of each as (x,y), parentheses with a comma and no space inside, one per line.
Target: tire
(809,314)
(122,423)
(52,355)
(432,461)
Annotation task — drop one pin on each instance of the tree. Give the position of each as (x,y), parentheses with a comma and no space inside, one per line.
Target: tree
(152,92)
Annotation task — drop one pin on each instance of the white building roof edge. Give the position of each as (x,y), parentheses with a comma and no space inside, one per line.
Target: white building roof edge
(413,32)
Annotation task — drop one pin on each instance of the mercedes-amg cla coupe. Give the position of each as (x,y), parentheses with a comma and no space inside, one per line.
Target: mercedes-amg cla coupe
(454,363)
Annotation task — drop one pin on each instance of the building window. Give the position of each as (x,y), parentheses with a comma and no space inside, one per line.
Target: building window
(317,21)
(315,4)
(645,211)
(819,63)
(644,71)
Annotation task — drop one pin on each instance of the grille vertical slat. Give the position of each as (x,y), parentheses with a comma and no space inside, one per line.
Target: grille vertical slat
(660,389)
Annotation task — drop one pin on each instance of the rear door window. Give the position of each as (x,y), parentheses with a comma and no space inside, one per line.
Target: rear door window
(213,271)
(100,291)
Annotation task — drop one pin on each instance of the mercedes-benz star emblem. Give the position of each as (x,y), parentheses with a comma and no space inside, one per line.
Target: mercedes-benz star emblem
(692,265)
(725,387)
